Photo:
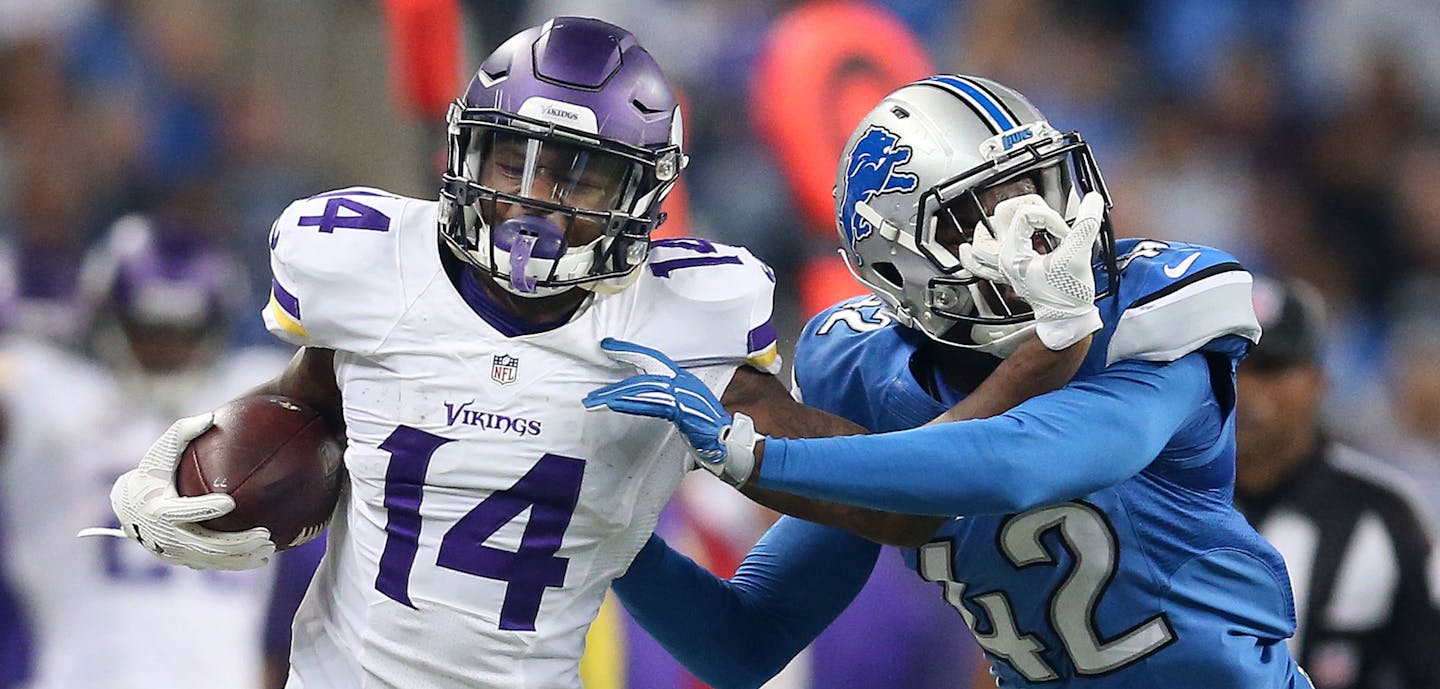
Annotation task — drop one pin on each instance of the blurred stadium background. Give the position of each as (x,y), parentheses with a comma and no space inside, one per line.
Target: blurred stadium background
(1301,135)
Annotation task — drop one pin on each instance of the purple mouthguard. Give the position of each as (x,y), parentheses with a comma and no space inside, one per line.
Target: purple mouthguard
(526,237)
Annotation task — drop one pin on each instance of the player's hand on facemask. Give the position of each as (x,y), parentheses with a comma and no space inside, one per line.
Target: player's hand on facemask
(724,445)
(152,512)
(1059,285)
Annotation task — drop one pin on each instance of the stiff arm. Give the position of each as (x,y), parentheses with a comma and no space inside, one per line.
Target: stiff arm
(736,633)
(1032,370)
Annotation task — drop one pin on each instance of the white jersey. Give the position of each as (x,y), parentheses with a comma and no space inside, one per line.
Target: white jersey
(103,612)
(487,511)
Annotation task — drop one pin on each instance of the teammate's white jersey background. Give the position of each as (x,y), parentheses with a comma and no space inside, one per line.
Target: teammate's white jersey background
(104,613)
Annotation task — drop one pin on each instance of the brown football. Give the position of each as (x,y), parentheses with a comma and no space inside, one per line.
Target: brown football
(277,458)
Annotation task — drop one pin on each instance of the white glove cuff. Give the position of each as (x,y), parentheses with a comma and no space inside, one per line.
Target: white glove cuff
(1060,334)
(739,439)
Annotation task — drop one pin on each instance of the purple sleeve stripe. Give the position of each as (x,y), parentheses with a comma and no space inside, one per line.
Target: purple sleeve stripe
(285,299)
(761,337)
(346,192)
(663,269)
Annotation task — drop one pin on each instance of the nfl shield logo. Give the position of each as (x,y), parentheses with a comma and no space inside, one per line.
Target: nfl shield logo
(504,369)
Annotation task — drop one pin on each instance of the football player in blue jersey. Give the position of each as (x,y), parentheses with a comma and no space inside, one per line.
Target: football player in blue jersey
(1090,539)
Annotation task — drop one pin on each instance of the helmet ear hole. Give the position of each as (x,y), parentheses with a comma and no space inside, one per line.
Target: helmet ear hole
(890,273)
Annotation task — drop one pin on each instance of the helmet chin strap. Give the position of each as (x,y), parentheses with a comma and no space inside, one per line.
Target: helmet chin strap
(527,240)
(519,258)
(613,285)
(1003,345)
(1000,340)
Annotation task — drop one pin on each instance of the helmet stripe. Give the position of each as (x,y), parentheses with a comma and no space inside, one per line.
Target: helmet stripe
(989,106)
(980,84)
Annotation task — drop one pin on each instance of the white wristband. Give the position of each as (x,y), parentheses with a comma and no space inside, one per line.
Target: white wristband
(739,439)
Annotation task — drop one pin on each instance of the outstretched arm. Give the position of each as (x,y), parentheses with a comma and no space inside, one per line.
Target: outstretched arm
(1083,437)
(775,412)
(1032,370)
(737,633)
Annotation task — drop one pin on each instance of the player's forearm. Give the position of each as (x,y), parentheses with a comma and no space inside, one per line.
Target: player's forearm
(658,580)
(1056,447)
(800,421)
(310,378)
(885,528)
(932,470)
(739,633)
(1032,370)
(775,413)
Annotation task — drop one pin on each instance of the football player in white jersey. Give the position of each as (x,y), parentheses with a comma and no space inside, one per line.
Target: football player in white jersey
(102,615)
(486,511)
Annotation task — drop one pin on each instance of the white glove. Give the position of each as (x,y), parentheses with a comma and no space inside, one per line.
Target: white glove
(152,512)
(1060,285)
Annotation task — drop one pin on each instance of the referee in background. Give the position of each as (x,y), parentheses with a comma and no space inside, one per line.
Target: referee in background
(1356,544)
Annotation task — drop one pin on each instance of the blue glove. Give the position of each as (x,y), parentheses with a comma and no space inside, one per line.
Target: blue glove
(663,390)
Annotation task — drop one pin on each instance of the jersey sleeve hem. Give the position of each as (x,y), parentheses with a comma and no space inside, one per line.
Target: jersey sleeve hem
(763,354)
(282,315)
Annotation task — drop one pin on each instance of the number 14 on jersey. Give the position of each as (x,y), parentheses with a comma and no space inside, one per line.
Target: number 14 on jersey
(551,489)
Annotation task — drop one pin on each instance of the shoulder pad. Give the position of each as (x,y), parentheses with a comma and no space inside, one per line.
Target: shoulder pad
(340,263)
(707,287)
(1175,299)
(851,317)
(845,352)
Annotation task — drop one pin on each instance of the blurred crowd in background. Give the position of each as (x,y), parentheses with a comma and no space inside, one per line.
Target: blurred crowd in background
(1303,136)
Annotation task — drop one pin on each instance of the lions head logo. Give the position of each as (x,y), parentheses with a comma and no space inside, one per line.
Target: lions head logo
(870,172)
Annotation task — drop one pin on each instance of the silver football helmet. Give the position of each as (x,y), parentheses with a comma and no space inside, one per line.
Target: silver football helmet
(920,176)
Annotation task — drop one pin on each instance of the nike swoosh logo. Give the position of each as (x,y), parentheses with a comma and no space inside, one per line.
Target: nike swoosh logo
(1176,271)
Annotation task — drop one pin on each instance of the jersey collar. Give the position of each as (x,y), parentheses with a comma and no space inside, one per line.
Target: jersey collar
(495,315)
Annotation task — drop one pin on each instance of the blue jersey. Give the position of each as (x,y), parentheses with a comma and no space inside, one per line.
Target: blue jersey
(1071,569)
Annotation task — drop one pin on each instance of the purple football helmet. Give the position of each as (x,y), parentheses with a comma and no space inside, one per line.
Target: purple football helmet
(560,152)
(146,286)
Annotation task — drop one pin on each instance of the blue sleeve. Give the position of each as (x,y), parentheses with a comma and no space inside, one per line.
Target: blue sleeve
(738,633)
(1062,445)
